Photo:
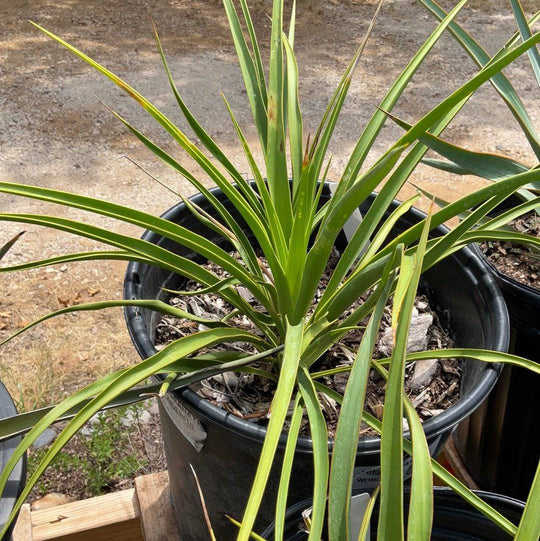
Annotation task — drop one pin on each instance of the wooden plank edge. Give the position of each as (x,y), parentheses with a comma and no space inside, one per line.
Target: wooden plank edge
(23,527)
(112,516)
(157,517)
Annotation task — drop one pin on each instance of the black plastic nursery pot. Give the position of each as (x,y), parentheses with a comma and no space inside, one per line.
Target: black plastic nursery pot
(17,479)
(453,518)
(224,449)
(498,442)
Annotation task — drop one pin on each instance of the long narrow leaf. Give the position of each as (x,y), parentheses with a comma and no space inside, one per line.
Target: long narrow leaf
(499,81)
(8,245)
(346,440)
(279,407)
(286,468)
(485,165)
(529,525)
(377,121)
(319,436)
(199,131)
(203,367)
(150,304)
(421,500)
(525,31)
(119,255)
(276,164)
(293,114)
(151,252)
(125,380)
(250,73)
(391,510)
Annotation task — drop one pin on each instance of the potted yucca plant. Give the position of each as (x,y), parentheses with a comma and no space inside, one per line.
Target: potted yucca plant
(283,227)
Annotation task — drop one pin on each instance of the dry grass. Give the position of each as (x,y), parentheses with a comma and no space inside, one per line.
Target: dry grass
(49,361)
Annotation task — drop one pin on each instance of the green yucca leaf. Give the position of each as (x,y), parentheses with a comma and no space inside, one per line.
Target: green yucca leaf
(255,220)
(525,31)
(286,468)
(488,166)
(421,501)
(197,368)
(390,525)
(279,407)
(8,245)
(457,486)
(483,234)
(155,305)
(484,355)
(119,255)
(293,114)
(319,437)
(276,237)
(123,381)
(364,527)
(199,131)
(465,91)
(499,81)
(175,232)
(346,439)
(203,161)
(151,252)
(421,493)
(377,121)
(253,74)
(529,525)
(511,214)
(503,187)
(276,163)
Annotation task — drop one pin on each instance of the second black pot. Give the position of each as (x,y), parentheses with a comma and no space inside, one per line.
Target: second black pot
(224,450)
(454,519)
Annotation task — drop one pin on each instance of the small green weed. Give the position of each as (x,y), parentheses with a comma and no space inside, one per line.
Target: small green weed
(98,462)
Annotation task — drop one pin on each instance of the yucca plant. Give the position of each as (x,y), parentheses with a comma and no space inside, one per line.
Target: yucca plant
(296,235)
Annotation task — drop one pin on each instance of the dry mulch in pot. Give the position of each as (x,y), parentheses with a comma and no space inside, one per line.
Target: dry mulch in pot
(432,385)
(518,262)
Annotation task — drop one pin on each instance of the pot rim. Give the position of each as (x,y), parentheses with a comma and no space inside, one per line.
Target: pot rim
(444,498)
(444,422)
(533,292)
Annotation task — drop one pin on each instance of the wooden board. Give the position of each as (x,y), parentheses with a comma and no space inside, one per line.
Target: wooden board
(23,526)
(157,516)
(143,513)
(113,516)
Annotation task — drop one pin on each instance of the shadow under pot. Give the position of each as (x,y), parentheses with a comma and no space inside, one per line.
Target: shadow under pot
(454,519)
(224,449)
